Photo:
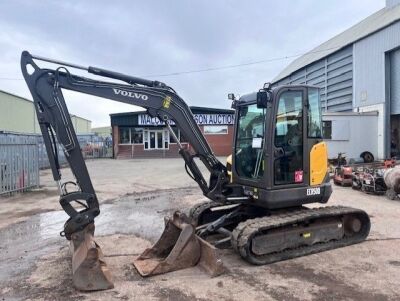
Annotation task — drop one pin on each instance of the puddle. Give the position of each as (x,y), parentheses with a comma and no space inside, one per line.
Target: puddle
(142,215)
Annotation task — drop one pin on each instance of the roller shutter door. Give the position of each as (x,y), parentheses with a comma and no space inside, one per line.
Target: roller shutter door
(395,82)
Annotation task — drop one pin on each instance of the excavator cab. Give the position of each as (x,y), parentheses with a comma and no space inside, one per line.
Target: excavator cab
(278,147)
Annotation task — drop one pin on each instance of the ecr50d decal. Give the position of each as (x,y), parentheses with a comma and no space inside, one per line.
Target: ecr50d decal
(314,191)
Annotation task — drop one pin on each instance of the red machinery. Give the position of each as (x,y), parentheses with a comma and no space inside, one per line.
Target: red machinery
(343,174)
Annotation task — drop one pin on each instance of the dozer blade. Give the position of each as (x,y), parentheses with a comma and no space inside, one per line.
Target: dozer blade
(89,270)
(179,248)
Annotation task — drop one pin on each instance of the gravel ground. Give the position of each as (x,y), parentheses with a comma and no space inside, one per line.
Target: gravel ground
(135,195)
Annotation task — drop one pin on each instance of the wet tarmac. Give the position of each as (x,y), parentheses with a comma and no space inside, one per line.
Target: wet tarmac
(22,244)
(35,263)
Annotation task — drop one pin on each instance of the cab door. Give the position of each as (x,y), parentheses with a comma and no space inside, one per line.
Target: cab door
(248,159)
(289,145)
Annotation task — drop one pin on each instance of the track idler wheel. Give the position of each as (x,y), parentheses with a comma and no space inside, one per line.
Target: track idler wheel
(89,270)
(178,248)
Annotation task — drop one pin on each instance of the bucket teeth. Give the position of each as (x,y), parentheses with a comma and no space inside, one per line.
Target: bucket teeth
(89,270)
(178,248)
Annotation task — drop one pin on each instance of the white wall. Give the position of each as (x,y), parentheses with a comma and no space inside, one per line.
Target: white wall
(380,128)
(353,134)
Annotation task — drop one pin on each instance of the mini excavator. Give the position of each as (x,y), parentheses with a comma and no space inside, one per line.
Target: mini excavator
(256,201)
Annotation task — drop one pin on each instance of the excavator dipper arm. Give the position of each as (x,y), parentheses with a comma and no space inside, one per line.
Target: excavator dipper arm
(160,101)
(178,246)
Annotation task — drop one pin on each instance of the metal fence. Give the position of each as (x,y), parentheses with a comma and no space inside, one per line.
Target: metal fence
(19,168)
(21,157)
(92,146)
(95,147)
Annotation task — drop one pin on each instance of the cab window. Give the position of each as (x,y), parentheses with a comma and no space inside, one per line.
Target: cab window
(314,114)
(288,164)
(249,146)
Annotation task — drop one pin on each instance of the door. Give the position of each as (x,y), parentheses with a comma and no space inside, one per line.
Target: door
(152,144)
(289,138)
(394,103)
(158,139)
(395,82)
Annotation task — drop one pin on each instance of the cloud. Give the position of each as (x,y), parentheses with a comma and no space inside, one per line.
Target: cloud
(156,37)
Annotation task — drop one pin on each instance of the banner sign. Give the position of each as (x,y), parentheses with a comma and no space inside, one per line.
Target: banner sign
(201,119)
(144,119)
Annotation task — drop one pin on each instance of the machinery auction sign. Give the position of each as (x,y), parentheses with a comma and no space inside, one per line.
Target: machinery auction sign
(201,119)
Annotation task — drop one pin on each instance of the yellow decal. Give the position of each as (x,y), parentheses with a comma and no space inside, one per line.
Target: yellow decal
(167,102)
(255,193)
(307,235)
(318,163)
(229,167)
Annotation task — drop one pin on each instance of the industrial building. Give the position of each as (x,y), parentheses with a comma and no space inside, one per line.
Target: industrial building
(18,115)
(102,131)
(358,71)
(138,135)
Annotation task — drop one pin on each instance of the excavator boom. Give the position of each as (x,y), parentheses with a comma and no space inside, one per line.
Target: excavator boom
(160,101)
(55,123)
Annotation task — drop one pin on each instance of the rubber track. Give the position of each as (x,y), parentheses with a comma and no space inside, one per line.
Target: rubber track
(198,209)
(245,231)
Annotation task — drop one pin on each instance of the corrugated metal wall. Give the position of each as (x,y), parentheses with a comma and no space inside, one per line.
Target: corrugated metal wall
(395,82)
(369,65)
(333,75)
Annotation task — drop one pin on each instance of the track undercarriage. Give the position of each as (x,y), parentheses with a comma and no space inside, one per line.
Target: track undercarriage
(261,236)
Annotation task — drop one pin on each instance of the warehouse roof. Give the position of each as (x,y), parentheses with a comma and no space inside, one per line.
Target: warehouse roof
(366,27)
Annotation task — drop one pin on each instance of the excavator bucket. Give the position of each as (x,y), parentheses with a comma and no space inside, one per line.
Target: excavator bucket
(179,248)
(89,270)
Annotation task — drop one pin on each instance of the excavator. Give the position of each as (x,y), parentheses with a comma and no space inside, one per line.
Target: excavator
(256,201)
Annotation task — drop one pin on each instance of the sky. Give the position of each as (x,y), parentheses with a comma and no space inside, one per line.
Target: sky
(155,38)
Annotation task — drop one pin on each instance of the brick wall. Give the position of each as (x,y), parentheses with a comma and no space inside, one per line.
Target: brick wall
(220,144)
(115,137)
(138,151)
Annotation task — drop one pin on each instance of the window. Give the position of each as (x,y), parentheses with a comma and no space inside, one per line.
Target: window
(249,142)
(314,114)
(215,129)
(340,130)
(288,165)
(289,118)
(327,129)
(129,135)
(176,131)
(146,139)
(136,136)
(124,135)
(182,138)
(166,139)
